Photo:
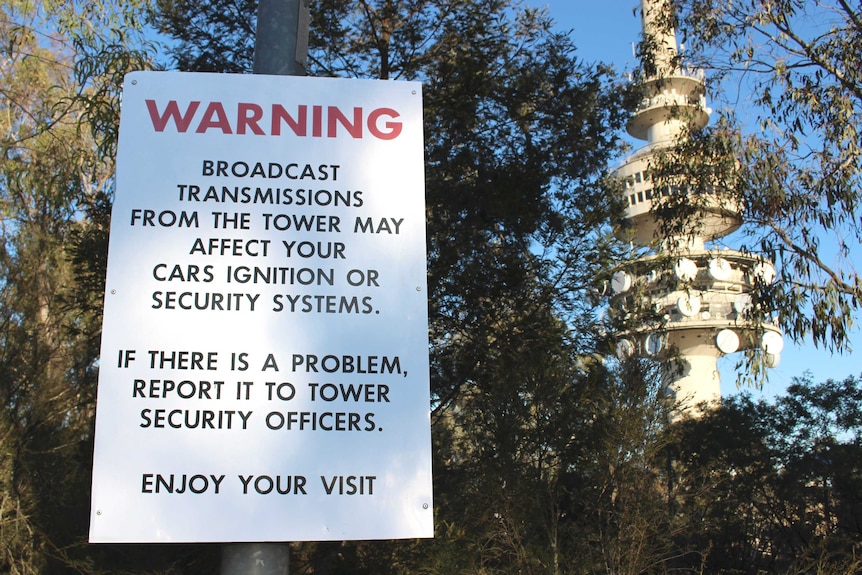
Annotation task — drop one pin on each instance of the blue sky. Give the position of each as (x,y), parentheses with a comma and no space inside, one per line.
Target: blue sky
(605,31)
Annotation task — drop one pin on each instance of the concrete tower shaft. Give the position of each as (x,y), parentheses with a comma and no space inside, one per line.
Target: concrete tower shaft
(659,38)
(693,303)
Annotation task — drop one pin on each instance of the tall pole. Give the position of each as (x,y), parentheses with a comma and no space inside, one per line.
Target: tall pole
(280,48)
(281,41)
(255,559)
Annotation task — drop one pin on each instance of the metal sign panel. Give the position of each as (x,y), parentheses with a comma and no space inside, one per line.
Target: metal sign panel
(264,367)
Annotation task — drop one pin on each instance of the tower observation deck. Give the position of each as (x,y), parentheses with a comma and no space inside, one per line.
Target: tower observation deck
(699,298)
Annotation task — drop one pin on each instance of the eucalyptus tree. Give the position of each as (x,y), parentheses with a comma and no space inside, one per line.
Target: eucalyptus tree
(773,486)
(788,79)
(51,172)
(518,132)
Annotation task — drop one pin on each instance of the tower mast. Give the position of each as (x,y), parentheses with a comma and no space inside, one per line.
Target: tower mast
(701,296)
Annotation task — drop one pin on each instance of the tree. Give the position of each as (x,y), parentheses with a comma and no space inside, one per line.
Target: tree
(620,480)
(46,374)
(793,159)
(547,459)
(215,36)
(52,173)
(774,486)
(518,135)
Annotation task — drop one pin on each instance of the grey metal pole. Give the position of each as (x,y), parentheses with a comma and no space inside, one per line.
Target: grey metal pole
(281,43)
(255,559)
(280,48)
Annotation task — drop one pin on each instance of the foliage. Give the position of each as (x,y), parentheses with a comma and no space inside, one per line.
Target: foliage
(774,487)
(45,373)
(52,172)
(547,459)
(215,36)
(518,133)
(786,147)
(621,477)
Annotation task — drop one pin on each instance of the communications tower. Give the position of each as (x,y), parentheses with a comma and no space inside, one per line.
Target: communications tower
(698,297)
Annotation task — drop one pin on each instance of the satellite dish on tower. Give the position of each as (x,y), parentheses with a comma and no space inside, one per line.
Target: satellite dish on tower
(742,303)
(772,342)
(621,282)
(653,344)
(719,269)
(688,305)
(625,349)
(685,269)
(727,341)
(764,271)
